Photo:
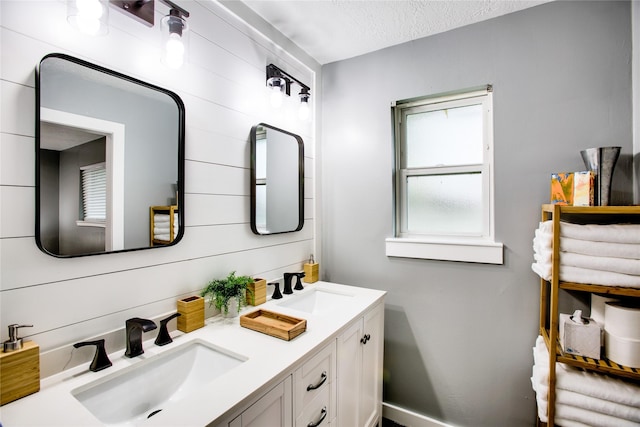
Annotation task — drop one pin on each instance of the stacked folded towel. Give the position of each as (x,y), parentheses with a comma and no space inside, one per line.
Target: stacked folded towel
(596,254)
(584,398)
(162,226)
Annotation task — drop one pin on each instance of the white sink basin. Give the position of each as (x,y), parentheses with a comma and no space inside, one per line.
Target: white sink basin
(131,395)
(316,301)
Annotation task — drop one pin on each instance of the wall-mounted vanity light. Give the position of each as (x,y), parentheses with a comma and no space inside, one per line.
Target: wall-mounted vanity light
(174,35)
(279,82)
(140,10)
(90,17)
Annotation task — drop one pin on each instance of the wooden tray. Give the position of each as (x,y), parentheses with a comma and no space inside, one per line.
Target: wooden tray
(274,324)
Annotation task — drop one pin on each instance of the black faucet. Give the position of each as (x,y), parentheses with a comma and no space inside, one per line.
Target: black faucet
(134,328)
(100,359)
(287,283)
(163,337)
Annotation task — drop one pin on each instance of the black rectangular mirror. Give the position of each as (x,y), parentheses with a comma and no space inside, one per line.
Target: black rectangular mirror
(277,180)
(109,160)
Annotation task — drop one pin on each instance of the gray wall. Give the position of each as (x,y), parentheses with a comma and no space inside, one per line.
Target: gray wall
(458,336)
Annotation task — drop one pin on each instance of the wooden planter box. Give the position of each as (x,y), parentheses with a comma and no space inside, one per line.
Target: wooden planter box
(257,292)
(191,311)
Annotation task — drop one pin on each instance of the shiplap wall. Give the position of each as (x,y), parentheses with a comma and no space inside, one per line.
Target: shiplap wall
(223,88)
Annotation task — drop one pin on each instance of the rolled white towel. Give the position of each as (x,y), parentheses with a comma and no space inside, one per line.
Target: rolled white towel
(164,237)
(567,415)
(542,243)
(165,230)
(164,218)
(613,233)
(613,250)
(576,399)
(603,263)
(597,277)
(542,269)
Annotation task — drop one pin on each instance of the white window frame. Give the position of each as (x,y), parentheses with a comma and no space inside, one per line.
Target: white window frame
(481,247)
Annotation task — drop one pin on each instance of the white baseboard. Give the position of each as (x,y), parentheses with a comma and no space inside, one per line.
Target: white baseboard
(408,418)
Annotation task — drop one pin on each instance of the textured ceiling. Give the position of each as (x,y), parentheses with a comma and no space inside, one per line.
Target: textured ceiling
(332,30)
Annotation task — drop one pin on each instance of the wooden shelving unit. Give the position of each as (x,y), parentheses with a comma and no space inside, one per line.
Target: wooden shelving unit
(549,293)
(168,210)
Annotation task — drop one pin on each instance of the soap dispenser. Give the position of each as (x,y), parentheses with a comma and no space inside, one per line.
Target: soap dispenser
(311,270)
(20,367)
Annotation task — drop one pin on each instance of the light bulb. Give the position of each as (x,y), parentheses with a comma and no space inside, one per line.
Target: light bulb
(303,110)
(89,8)
(88,16)
(276,96)
(174,51)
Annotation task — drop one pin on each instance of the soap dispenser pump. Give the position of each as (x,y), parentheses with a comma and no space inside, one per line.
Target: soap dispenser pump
(14,342)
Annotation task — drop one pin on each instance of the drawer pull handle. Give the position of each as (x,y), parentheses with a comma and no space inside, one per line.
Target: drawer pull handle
(323,415)
(365,338)
(323,378)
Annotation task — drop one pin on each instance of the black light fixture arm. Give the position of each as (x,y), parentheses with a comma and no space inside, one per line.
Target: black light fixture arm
(274,71)
(175,9)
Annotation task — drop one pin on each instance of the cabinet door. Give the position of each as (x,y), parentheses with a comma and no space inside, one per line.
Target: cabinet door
(349,362)
(273,409)
(372,354)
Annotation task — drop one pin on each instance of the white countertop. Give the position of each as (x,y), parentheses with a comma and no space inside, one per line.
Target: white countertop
(268,359)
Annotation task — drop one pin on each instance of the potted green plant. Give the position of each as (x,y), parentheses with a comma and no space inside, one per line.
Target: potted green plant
(224,293)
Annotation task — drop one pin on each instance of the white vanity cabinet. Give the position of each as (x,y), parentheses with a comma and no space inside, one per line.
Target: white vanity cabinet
(331,375)
(338,385)
(273,409)
(315,389)
(360,353)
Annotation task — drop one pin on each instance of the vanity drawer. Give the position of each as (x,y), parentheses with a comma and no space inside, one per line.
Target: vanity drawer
(319,412)
(315,376)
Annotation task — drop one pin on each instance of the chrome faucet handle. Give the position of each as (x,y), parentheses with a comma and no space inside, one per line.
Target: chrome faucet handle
(163,337)
(100,359)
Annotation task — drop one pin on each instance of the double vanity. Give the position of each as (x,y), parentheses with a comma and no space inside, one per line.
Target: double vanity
(227,375)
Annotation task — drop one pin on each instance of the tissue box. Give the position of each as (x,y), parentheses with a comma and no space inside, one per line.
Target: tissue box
(580,339)
(572,188)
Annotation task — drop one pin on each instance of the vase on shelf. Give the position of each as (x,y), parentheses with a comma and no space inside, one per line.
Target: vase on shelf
(601,161)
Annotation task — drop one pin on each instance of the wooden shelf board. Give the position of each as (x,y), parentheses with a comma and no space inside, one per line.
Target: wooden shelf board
(599,289)
(591,209)
(604,365)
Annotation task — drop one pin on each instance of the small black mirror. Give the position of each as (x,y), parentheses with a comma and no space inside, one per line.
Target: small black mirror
(277,180)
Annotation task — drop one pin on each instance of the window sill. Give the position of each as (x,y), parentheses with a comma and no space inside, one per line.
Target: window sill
(464,250)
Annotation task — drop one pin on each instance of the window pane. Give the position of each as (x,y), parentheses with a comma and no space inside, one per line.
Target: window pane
(94,193)
(444,137)
(445,204)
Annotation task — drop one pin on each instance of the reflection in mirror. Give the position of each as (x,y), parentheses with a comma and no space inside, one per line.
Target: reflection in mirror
(277,180)
(110,160)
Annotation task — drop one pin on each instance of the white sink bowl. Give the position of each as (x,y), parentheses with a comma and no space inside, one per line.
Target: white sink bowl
(133,394)
(316,301)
